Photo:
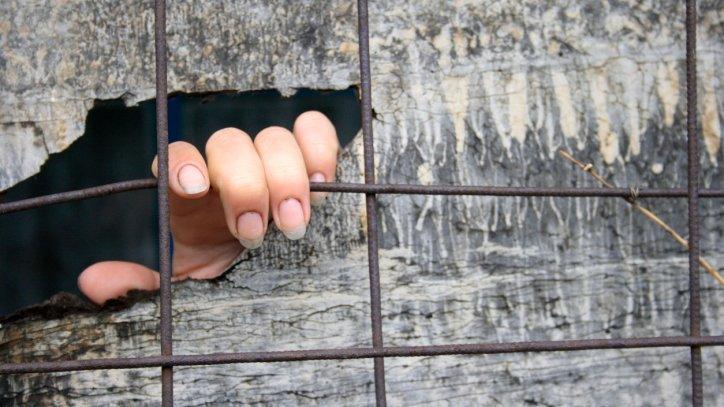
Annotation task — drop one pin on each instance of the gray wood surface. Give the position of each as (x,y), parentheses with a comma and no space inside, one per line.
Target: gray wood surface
(464,92)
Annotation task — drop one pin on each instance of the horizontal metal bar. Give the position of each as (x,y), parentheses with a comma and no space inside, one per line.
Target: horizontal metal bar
(77,195)
(410,189)
(360,353)
(393,189)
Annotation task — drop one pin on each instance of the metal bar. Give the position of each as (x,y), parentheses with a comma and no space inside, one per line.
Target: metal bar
(101,190)
(370,198)
(362,353)
(164,230)
(693,201)
(167,360)
(411,189)
(384,189)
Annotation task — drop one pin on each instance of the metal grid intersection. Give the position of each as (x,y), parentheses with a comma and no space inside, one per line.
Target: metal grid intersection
(167,360)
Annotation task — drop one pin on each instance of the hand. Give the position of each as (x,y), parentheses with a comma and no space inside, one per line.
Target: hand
(222,205)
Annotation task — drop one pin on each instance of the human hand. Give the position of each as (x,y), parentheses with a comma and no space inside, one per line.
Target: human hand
(222,205)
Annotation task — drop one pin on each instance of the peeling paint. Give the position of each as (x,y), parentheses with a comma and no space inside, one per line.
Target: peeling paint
(667,88)
(607,139)
(711,127)
(630,74)
(568,117)
(517,90)
(455,90)
(493,90)
(453,269)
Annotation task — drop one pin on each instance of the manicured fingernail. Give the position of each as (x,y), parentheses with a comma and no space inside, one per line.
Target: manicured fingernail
(192,180)
(250,230)
(318,198)
(291,219)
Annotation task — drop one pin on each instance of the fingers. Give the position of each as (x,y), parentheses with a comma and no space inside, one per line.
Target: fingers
(113,279)
(318,142)
(287,180)
(236,171)
(188,177)
(251,178)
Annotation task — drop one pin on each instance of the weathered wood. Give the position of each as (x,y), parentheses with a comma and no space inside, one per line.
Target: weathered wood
(476,93)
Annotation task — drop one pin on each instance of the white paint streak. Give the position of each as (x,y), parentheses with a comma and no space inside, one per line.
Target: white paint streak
(425,174)
(517,90)
(419,225)
(607,139)
(567,113)
(711,128)
(667,88)
(632,87)
(455,90)
(493,90)
(443,43)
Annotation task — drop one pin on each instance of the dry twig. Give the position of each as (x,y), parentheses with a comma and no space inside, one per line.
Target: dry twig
(646,212)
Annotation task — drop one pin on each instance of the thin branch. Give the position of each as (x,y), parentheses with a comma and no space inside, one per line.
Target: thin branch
(645,211)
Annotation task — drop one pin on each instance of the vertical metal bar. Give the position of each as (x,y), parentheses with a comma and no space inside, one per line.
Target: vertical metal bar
(371,199)
(164,233)
(693,191)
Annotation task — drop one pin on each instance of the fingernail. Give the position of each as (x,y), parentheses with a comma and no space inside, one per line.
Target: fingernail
(250,230)
(318,198)
(191,179)
(291,219)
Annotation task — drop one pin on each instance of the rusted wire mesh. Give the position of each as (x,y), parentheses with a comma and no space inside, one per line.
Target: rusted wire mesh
(167,360)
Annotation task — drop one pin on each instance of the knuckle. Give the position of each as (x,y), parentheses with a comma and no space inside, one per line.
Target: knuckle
(179,146)
(311,116)
(314,122)
(271,136)
(224,136)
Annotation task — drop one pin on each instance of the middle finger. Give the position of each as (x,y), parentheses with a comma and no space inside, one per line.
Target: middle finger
(287,180)
(236,172)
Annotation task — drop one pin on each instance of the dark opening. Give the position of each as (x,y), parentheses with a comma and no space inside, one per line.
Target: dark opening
(42,251)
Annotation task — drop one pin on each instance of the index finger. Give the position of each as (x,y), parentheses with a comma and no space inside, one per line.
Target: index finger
(317,139)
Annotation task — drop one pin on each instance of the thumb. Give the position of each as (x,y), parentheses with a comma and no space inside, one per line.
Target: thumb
(113,279)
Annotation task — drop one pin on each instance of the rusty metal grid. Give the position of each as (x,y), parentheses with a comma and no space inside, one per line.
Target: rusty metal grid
(167,360)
